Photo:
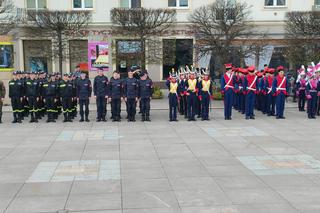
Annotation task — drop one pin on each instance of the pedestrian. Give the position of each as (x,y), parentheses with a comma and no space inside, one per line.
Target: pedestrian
(130,88)
(100,90)
(115,94)
(145,95)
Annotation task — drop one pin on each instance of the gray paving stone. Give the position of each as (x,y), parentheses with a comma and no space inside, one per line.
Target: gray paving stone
(88,202)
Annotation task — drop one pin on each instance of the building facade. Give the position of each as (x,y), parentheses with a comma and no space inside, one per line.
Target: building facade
(26,52)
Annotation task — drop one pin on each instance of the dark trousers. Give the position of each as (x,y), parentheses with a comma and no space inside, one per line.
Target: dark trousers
(236,101)
(67,106)
(183,105)
(16,107)
(51,107)
(173,104)
(33,107)
(302,100)
(271,102)
(41,106)
(145,106)
(191,100)
(205,103)
(250,101)
(84,103)
(198,107)
(228,101)
(101,107)
(312,104)
(131,107)
(242,101)
(280,103)
(115,108)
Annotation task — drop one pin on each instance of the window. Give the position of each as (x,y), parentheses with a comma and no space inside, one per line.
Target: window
(317,2)
(83,4)
(36,4)
(178,3)
(130,3)
(275,3)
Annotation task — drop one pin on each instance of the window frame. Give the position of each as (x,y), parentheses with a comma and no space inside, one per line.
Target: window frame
(83,5)
(37,5)
(275,4)
(178,5)
(130,4)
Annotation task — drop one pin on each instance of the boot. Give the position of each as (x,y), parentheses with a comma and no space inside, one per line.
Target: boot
(87,119)
(65,117)
(15,120)
(143,118)
(0,117)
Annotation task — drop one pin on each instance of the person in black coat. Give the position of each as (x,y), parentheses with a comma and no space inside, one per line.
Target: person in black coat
(84,90)
(100,90)
(115,95)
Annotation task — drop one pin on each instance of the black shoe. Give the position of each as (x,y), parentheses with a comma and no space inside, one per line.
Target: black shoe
(203,119)
(104,120)
(189,119)
(99,120)
(87,120)
(252,117)
(81,120)
(14,121)
(175,120)
(148,118)
(170,120)
(247,117)
(53,121)
(282,117)
(277,117)
(35,120)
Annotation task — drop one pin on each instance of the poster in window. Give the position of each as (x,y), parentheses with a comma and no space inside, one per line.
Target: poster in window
(98,56)
(6,54)
(37,64)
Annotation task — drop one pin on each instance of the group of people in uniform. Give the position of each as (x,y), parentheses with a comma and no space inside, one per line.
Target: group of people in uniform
(37,94)
(191,91)
(308,88)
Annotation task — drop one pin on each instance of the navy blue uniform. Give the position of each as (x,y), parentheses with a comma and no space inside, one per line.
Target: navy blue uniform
(183,98)
(227,88)
(130,86)
(66,95)
(270,97)
(192,91)
(312,90)
(15,94)
(250,86)
(84,90)
(32,93)
(205,94)
(50,92)
(115,93)
(173,99)
(100,90)
(280,88)
(145,94)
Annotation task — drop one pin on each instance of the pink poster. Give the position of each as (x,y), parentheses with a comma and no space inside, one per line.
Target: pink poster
(98,56)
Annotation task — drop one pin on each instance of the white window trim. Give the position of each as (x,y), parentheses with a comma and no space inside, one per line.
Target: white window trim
(83,6)
(37,5)
(178,5)
(276,6)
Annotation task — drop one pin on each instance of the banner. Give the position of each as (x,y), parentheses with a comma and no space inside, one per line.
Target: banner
(6,54)
(98,56)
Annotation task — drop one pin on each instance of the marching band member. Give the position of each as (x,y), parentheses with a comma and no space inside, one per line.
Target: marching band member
(280,88)
(228,88)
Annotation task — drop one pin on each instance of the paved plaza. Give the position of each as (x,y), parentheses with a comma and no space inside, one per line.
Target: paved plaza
(239,166)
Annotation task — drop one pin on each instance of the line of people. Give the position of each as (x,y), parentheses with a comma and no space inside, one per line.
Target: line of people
(37,95)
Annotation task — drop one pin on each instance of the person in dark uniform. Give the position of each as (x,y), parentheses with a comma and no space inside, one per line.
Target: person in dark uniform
(59,101)
(115,95)
(228,83)
(280,89)
(301,84)
(74,110)
(22,76)
(145,95)
(2,95)
(270,97)
(50,94)
(84,90)
(130,86)
(182,94)
(191,93)
(205,95)
(16,96)
(100,90)
(312,91)
(250,86)
(65,94)
(32,95)
(40,102)
(173,96)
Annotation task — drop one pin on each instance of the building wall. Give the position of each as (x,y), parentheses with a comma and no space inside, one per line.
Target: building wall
(267,19)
